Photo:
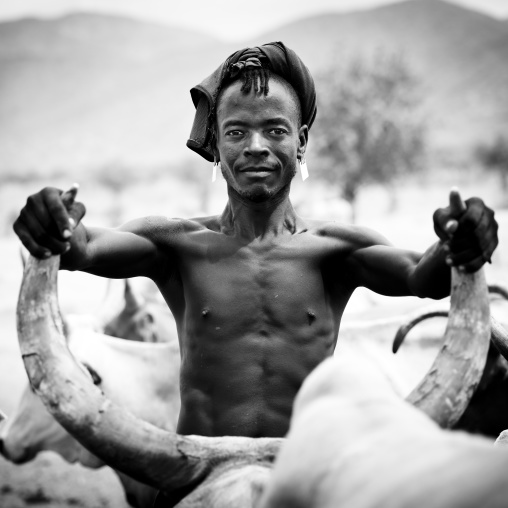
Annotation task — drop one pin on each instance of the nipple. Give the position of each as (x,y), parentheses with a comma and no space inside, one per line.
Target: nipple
(311,316)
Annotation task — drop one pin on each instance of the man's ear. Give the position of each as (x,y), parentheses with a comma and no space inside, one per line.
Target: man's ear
(213,145)
(303,137)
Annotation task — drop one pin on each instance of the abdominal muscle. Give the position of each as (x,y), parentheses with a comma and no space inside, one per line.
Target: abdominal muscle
(245,386)
(255,322)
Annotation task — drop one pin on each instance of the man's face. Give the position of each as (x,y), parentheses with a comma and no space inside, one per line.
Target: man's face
(258,140)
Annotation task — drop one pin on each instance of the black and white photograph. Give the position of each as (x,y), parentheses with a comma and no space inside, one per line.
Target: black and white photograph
(254,254)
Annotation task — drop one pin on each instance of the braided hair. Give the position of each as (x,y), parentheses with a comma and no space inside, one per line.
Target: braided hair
(256,78)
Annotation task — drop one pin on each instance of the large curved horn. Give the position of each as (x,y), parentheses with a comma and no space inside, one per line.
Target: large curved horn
(405,328)
(498,336)
(159,458)
(447,388)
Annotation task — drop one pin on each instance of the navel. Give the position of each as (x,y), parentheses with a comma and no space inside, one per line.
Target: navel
(205,312)
(311,316)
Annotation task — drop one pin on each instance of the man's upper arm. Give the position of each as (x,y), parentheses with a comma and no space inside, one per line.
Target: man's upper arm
(375,264)
(142,247)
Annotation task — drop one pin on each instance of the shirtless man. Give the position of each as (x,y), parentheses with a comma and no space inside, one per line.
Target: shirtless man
(257,292)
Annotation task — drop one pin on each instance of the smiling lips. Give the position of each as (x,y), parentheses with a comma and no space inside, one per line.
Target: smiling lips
(257,169)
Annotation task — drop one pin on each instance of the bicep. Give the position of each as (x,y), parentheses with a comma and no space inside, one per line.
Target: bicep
(122,253)
(384,269)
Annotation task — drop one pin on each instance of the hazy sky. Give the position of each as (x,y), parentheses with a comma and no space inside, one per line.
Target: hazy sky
(227,19)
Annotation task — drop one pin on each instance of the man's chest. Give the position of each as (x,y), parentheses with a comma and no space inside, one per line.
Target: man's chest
(286,280)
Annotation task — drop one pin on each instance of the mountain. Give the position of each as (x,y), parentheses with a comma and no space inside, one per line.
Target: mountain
(87,90)
(94,35)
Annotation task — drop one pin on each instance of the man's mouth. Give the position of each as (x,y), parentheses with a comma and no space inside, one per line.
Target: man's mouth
(257,169)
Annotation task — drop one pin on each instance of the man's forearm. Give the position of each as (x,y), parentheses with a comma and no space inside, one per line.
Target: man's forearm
(77,256)
(431,277)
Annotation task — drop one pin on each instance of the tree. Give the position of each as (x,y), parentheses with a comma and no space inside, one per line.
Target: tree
(369,127)
(495,156)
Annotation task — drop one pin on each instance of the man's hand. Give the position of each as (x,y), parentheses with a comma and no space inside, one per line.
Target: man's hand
(468,231)
(46,223)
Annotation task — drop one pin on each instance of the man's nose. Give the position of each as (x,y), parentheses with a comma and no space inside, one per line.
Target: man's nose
(256,146)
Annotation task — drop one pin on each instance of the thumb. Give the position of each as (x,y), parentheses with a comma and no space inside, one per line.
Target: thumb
(76,210)
(457,208)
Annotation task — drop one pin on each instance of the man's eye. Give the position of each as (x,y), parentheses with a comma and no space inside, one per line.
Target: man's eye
(277,131)
(234,132)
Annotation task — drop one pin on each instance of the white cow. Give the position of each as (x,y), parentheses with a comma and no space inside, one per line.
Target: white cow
(143,378)
(354,443)
(140,319)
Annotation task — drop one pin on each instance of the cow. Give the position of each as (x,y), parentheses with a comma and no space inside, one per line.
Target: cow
(143,378)
(129,317)
(353,442)
(141,320)
(487,412)
(220,471)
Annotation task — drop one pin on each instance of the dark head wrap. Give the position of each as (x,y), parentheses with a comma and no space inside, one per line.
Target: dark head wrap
(274,56)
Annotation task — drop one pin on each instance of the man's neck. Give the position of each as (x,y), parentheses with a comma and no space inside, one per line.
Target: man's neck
(250,220)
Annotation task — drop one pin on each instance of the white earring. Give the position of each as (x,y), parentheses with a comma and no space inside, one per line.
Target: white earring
(214,170)
(303,168)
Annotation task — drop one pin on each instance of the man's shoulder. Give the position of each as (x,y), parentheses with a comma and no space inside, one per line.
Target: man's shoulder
(158,224)
(209,223)
(354,235)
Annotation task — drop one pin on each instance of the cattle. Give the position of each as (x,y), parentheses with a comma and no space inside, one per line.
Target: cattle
(354,443)
(143,378)
(225,471)
(141,320)
(32,429)
(129,316)
(487,412)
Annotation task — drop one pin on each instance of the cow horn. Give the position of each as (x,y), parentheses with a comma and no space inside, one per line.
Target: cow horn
(499,334)
(162,459)
(496,289)
(133,299)
(447,388)
(405,328)
(113,301)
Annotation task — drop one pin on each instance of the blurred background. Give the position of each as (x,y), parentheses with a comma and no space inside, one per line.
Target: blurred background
(412,99)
